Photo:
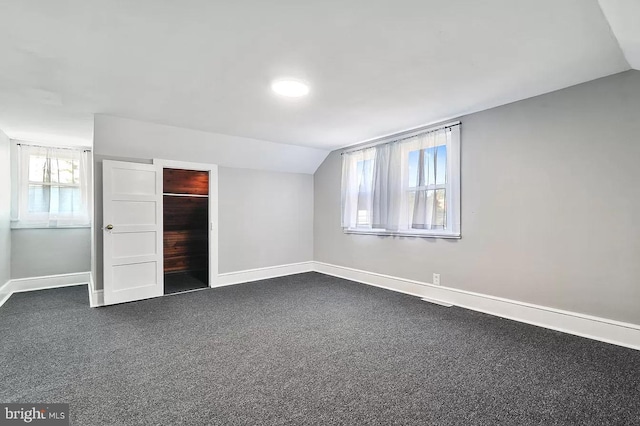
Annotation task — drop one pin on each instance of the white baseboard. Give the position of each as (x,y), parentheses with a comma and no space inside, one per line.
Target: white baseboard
(238,277)
(5,293)
(602,329)
(96,298)
(231,278)
(591,327)
(18,285)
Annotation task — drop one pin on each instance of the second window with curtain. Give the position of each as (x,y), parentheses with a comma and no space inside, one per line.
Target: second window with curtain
(405,187)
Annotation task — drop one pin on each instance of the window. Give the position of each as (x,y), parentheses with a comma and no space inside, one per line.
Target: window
(410,186)
(50,187)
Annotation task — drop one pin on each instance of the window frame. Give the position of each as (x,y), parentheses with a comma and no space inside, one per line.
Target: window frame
(452,188)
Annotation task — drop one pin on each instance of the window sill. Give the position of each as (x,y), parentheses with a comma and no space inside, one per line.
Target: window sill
(39,226)
(432,234)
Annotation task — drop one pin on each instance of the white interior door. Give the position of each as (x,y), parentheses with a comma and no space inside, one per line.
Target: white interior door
(132,231)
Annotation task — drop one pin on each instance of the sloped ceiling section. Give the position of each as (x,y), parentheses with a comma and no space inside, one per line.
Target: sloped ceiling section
(624,19)
(122,137)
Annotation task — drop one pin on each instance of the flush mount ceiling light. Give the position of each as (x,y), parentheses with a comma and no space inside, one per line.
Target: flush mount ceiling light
(290,88)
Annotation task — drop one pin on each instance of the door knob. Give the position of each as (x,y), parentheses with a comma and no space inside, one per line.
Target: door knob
(109,227)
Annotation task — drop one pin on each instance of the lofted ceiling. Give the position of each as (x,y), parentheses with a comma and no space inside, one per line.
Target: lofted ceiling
(375,67)
(624,18)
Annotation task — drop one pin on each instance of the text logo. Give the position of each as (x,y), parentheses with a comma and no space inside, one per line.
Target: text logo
(34,414)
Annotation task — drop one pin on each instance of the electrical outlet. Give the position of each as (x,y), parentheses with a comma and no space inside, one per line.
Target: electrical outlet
(436,279)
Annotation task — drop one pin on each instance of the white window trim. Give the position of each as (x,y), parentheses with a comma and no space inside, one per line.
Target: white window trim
(453,201)
(17,224)
(426,233)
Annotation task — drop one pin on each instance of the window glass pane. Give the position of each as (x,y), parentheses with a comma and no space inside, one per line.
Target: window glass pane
(435,165)
(365,171)
(68,199)
(54,199)
(413,168)
(365,182)
(427,206)
(431,175)
(441,177)
(363,218)
(64,171)
(411,201)
(39,196)
(428,169)
(37,168)
(440,218)
(55,170)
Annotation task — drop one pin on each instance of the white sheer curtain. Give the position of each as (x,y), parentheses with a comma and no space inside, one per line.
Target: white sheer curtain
(52,187)
(427,180)
(411,185)
(357,185)
(387,187)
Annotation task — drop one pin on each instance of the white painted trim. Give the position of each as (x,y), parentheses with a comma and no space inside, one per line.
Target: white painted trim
(19,285)
(187,165)
(437,302)
(414,234)
(49,281)
(96,298)
(591,327)
(238,277)
(5,293)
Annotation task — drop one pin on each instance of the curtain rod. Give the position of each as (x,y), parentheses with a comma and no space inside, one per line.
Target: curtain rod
(55,147)
(408,134)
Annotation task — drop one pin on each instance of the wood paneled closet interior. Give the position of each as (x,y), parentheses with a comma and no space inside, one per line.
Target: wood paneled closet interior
(186,222)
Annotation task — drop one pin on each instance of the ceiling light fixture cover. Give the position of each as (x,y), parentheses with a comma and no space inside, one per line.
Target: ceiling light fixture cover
(290,88)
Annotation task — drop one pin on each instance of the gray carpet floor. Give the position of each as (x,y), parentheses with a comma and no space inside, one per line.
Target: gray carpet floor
(304,349)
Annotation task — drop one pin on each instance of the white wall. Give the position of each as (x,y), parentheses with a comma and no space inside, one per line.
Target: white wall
(550,206)
(5,210)
(265,207)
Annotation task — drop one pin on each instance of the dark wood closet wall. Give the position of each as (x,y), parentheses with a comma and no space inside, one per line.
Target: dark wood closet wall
(186,220)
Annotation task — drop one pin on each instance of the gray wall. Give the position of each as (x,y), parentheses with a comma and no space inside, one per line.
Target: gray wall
(550,206)
(5,210)
(51,251)
(265,188)
(265,218)
(37,252)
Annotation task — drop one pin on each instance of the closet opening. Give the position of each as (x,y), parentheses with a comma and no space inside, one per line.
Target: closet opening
(186,230)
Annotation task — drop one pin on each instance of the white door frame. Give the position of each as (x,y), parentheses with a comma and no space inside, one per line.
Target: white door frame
(213,207)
